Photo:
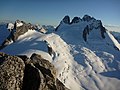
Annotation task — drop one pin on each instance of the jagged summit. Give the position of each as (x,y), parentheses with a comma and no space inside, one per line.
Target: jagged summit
(75,20)
(66,19)
(87,18)
(88,26)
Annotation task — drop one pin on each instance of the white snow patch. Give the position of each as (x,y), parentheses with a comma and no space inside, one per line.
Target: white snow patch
(10,26)
(18,24)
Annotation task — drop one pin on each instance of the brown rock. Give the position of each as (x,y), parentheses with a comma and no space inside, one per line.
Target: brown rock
(23,73)
(11,72)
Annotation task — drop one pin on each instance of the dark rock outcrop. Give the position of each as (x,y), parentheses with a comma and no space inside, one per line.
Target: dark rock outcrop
(23,73)
(102,30)
(89,29)
(57,27)
(75,20)
(66,19)
(85,33)
(32,27)
(50,50)
(87,18)
(31,80)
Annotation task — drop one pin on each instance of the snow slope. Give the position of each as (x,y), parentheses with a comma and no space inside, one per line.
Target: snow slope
(99,57)
(27,44)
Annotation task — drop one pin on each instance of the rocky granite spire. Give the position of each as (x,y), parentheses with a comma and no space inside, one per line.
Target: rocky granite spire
(75,20)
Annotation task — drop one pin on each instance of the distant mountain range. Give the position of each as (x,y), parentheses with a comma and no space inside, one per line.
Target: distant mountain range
(113,28)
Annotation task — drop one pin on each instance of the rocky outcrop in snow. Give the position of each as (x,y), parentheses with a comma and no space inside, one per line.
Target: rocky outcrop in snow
(19,28)
(66,19)
(87,18)
(75,20)
(23,73)
(86,32)
(87,25)
(102,29)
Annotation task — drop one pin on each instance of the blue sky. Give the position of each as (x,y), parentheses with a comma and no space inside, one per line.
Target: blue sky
(52,11)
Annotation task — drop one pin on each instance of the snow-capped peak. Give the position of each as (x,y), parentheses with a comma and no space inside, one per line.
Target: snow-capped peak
(87,27)
(66,20)
(10,26)
(87,18)
(18,23)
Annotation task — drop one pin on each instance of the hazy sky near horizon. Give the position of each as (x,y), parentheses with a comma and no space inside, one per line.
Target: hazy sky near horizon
(52,11)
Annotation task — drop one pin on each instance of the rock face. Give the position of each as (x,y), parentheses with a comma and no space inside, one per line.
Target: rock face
(75,20)
(11,72)
(19,28)
(23,73)
(87,26)
(87,18)
(66,19)
(102,30)
(85,33)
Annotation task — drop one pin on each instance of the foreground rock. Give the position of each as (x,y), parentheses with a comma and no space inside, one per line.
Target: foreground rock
(23,73)
(11,72)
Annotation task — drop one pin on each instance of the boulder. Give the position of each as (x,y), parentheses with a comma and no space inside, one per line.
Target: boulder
(11,72)
(23,73)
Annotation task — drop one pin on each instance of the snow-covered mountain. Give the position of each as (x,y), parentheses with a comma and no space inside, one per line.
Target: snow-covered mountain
(85,54)
(95,52)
